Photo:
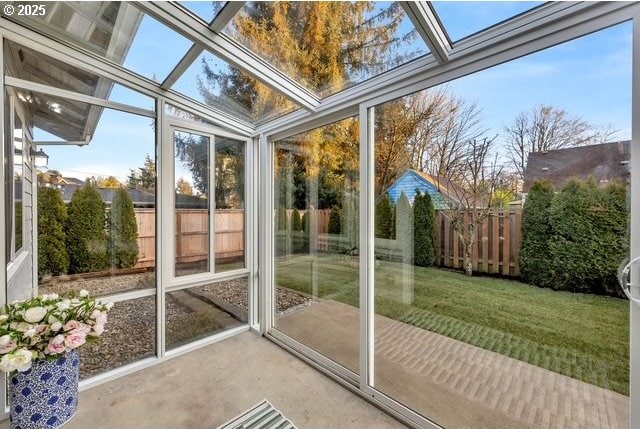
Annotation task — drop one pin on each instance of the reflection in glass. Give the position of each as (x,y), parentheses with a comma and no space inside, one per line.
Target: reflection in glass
(229,194)
(129,336)
(26,64)
(201,311)
(328,46)
(214,82)
(117,31)
(192,196)
(317,187)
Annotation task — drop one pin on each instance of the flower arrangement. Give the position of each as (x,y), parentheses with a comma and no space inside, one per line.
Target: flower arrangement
(48,326)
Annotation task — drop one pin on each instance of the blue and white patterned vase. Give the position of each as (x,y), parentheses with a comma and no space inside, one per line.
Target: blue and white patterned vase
(45,396)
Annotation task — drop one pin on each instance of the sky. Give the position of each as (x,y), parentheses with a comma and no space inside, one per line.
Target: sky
(589,77)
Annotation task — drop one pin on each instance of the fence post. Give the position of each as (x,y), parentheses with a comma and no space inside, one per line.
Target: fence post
(495,236)
(506,244)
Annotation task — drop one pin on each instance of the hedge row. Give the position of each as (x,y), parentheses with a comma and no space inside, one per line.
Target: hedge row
(82,237)
(575,240)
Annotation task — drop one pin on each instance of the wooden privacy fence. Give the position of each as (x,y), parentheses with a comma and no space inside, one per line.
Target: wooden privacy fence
(192,235)
(496,249)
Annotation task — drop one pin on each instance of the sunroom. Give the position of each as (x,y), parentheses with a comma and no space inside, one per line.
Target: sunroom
(370,214)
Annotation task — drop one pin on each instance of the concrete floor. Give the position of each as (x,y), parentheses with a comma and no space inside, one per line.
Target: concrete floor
(208,387)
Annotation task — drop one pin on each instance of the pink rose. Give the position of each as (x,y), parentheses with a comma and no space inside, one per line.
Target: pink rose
(56,345)
(75,340)
(73,327)
(7,344)
(98,329)
(101,319)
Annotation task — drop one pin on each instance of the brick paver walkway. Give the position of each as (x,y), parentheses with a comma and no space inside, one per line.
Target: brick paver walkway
(538,397)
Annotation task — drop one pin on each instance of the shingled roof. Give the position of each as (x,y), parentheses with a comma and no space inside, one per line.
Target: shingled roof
(605,163)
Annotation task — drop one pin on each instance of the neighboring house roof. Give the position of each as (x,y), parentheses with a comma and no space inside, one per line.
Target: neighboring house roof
(412,181)
(140,198)
(605,163)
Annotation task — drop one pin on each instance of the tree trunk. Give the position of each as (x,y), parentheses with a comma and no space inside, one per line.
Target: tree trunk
(468,251)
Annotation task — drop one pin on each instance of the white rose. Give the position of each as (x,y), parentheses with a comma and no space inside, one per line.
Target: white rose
(30,332)
(56,326)
(3,318)
(4,340)
(64,305)
(21,359)
(6,364)
(84,293)
(35,314)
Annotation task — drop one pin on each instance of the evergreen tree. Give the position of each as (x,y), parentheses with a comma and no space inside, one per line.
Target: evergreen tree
(424,230)
(335,221)
(535,263)
(52,215)
(85,231)
(589,237)
(296,221)
(383,217)
(123,231)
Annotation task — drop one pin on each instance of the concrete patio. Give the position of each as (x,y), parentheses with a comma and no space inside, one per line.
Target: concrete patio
(208,387)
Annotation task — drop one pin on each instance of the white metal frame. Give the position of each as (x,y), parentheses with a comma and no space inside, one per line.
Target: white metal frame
(634,329)
(546,26)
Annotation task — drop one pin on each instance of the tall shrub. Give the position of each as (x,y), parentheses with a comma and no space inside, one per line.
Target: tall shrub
(335,220)
(296,222)
(85,231)
(123,231)
(424,219)
(589,239)
(535,261)
(383,215)
(52,250)
(612,234)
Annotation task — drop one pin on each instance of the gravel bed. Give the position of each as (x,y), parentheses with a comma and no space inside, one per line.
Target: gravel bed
(235,291)
(101,285)
(130,333)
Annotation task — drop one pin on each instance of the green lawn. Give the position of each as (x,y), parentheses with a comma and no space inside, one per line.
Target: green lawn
(583,336)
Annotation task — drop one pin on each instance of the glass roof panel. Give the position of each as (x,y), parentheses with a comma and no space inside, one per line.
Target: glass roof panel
(214,82)
(464,18)
(115,30)
(207,10)
(27,64)
(328,46)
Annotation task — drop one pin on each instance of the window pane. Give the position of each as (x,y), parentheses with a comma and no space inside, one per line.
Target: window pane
(201,311)
(214,82)
(206,10)
(192,196)
(317,187)
(230,217)
(479,300)
(27,64)
(328,46)
(96,208)
(463,18)
(117,31)
(129,336)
